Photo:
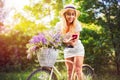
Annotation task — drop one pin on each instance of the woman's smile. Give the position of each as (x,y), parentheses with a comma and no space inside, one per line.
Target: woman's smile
(70,16)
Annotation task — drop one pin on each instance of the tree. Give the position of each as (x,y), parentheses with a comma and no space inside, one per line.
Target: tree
(107,14)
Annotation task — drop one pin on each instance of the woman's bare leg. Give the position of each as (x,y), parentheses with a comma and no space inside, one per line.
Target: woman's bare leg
(69,67)
(78,60)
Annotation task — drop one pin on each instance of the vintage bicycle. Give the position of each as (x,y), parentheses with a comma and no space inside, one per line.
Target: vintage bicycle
(48,71)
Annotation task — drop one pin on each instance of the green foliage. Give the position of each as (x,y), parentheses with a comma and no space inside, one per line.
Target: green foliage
(28,27)
(14,76)
(13,51)
(24,75)
(53,22)
(97,47)
(39,10)
(106,14)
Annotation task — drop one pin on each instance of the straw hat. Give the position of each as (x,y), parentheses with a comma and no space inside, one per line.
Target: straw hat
(69,7)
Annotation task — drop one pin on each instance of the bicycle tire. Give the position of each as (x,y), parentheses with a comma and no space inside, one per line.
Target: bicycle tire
(88,70)
(42,74)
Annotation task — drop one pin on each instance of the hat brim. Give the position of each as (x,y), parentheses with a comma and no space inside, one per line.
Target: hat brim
(65,10)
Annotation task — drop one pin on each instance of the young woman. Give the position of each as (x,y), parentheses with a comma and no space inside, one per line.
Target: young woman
(70,29)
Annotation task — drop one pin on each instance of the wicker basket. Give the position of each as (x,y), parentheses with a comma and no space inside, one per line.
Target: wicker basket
(47,56)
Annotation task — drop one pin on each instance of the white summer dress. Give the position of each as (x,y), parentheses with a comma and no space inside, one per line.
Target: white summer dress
(78,49)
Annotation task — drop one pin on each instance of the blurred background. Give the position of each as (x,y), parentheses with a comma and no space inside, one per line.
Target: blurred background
(22,19)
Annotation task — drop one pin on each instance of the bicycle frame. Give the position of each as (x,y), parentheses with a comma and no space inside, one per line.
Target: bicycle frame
(54,68)
(52,71)
(61,61)
(58,72)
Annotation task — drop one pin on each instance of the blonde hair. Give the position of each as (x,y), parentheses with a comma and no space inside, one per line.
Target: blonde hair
(71,28)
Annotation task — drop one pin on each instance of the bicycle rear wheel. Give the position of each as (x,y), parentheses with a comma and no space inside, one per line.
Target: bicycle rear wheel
(42,74)
(88,71)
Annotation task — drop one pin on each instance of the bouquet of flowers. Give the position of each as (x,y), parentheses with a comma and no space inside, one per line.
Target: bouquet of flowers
(49,39)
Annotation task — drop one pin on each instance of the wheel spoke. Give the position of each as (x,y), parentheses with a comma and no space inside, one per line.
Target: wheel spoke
(88,72)
(41,74)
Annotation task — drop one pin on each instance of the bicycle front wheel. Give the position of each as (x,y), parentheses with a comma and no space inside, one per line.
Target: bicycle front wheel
(42,74)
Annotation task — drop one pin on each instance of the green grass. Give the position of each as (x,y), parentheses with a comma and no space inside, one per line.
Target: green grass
(13,76)
(107,77)
(23,76)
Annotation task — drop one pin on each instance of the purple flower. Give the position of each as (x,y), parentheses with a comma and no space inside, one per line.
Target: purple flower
(42,38)
(34,40)
(39,38)
(48,39)
(56,36)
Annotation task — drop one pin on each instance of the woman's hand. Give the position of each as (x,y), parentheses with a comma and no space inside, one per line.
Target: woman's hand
(72,39)
(69,41)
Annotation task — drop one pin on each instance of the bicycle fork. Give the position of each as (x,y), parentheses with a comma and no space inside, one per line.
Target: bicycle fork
(52,71)
(51,74)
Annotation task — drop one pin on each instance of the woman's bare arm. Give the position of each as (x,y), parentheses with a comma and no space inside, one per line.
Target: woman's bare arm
(72,41)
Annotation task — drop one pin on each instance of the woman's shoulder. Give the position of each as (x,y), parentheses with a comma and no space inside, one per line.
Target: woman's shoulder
(78,23)
(78,26)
